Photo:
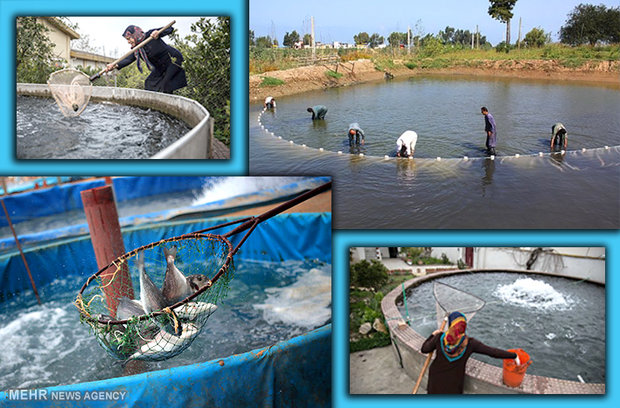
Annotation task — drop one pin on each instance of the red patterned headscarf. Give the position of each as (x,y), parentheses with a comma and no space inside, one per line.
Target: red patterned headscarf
(137,34)
(454,341)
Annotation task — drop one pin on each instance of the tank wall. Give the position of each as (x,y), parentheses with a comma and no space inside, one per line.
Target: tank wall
(481,378)
(196,144)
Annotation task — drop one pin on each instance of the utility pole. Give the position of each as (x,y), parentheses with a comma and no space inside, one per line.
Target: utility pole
(519,41)
(477,38)
(408,40)
(312,39)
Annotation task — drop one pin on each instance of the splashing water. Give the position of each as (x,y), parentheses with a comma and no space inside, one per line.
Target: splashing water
(528,292)
(305,303)
(228,187)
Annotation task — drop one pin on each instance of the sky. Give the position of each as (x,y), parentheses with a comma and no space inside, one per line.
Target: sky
(106,32)
(340,20)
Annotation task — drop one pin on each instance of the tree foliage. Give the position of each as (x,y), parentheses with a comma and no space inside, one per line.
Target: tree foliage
(396,39)
(361,38)
(588,24)
(452,36)
(536,38)
(34,52)
(264,42)
(375,40)
(502,10)
(206,62)
(366,274)
(290,39)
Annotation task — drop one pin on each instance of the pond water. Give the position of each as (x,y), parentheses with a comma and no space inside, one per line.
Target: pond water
(559,322)
(446,115)
(45,345)
(578,189)
(102,131)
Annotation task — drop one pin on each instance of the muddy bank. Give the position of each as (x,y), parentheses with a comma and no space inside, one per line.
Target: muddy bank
(303,79)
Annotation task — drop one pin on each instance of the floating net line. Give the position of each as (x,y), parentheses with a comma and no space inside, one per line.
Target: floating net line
(559,153)
(71,90)
(121,325)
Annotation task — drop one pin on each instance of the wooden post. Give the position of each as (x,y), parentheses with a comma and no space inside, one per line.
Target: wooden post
(105,233)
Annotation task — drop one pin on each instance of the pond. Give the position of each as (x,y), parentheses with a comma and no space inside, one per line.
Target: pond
(102,131)
(535,190)
(559,322)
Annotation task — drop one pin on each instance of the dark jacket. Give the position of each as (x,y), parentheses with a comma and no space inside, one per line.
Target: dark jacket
(445,377)
(167,74)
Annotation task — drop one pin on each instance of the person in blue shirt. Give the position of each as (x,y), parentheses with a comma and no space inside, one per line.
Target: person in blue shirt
(318,112)
(491,130)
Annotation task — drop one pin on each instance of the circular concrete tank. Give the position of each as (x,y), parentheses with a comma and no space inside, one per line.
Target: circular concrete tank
(481,378)
(196,144)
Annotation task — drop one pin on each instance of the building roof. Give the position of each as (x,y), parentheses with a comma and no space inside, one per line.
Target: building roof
(56,22)
(90,56)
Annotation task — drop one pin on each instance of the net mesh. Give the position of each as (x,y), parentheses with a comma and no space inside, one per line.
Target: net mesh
(449,299)
(71,90)
(121,324)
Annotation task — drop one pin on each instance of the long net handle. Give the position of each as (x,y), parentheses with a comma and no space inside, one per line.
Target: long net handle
(134,49)
(427,362)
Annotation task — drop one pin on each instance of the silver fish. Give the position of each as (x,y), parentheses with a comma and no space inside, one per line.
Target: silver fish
(128,308)
(150,296)
(165,344)
(176,287)
(191,310)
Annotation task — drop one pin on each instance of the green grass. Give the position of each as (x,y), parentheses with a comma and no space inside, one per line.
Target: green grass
(271,81)
(333,74)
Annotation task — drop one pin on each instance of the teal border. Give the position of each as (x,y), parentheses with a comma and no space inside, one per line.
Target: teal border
(343,240)
(238,12)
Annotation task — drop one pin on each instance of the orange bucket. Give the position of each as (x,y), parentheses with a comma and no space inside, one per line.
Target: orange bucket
(513,373)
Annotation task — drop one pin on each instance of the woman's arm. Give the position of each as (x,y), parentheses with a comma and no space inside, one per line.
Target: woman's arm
(430,343)
(479,347)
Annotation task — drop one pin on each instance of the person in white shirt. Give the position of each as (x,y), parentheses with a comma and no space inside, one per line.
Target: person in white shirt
(270,102)
(405,145)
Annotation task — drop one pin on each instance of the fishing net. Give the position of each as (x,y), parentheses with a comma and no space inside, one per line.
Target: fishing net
(121,324)
(449,299)
(71,90)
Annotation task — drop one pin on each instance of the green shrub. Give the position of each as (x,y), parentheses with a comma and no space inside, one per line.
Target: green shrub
(271,81)
(333,74)
(368,274)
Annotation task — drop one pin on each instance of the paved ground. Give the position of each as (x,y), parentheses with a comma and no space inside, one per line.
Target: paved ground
(377,371)
(220,150)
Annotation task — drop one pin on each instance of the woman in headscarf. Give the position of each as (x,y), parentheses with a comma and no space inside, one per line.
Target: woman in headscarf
(164,62)
(446,374)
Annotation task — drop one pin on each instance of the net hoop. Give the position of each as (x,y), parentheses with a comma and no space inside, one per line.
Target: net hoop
(122,259)
(71,90)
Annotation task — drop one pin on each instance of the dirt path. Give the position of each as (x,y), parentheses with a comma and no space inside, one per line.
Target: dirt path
(303,79)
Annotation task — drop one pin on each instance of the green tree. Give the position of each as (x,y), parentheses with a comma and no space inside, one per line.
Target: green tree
(206,62)
(502,10)
(375,40)
(366,274)
(536,38)
(251,40)
(34,57)
(396,39)
(591,24)
(264,42)
(362,38)
(307,39)
(290,39)
(447,35)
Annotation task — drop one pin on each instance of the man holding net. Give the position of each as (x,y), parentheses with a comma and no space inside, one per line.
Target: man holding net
(446,374)
(164,62)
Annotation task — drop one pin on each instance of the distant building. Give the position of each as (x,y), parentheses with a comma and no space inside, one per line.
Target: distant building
(87,59)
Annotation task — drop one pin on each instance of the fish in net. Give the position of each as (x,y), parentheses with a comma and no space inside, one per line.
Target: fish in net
(71,90)
(181,280)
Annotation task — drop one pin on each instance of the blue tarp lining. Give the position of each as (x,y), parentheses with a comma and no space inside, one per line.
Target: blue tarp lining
(66,197)
(249,199)
(284,237)
(292,373)
(41,181)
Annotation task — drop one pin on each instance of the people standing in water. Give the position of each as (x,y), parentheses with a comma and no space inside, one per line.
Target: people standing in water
(318,112)
(559,135)
(405,145)
(446,374)
(491,130)
(355,132)
(164,62)
(270,102)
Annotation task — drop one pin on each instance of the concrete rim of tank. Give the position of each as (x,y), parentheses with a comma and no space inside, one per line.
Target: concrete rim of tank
(195,144)
(480,378)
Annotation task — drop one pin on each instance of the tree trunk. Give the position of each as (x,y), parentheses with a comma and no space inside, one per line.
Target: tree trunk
(507,32)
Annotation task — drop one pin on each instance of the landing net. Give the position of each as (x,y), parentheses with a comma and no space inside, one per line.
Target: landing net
(449,299)
(134,319)
(71,90)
